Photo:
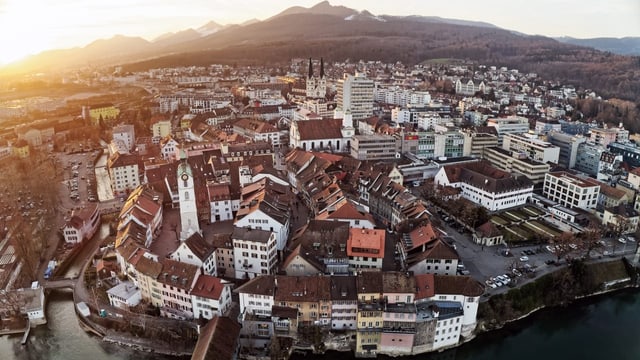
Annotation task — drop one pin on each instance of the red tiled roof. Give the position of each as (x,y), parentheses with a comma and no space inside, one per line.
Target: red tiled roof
(320,129)
(208,287)
(425,286)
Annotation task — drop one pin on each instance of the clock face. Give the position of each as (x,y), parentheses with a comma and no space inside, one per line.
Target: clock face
(185,177)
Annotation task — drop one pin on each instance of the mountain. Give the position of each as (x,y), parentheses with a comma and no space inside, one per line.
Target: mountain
(177,37)
(338,33)
(209,28)
(321,8)
(249,22)
(621,46)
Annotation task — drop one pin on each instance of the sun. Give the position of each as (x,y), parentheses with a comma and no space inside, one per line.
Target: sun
(22,30)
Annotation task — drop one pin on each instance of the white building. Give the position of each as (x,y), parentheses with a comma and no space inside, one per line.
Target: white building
(365,248)
(82,225)
(124,134)
(571,191)
(355,95)
(257,296)
(485,185)
(220,202)
(254,252)
(124,295)
(160,129)
(169,148)
(329,134)
(265,206)
(211,297)
(188,210)
(196,251)
(509,125)
(534,148)
(124,173)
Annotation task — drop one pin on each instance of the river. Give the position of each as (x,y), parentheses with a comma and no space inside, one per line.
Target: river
(601,328)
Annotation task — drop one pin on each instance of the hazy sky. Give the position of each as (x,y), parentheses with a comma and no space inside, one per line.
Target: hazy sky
(30,26)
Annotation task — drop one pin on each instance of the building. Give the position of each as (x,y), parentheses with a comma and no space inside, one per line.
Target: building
(218,340)
(124,295)
(370,313)
(333,135)
(254,252)
(432,144)
(220,202)
(344,303)
(355,96)
(509,125)
(365,248)
(82,224)
(569,146)
(622,218)
(571,191)
(603,137)
(189,223)
(486,185)
(265,205)
(518,163)
(316,86)
(211,297)
(196,251)
(468,87)
(399,313)
(103,112)
(125,135)
(374,147)
(124,172)
(588,158)
(477,139)
(488,234)
(319,247)
(630,152)
(532,147)
(258,130)
(160,129)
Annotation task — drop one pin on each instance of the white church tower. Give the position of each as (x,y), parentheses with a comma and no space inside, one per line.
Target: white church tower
(316,85)
(188,210)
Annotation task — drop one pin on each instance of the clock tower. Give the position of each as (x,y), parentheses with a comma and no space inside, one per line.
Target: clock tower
(188,210)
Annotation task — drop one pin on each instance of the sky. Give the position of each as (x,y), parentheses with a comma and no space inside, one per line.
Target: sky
(31,26)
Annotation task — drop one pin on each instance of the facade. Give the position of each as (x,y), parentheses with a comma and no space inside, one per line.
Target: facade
(517,163)
(486,185)
(126,135)
(588,158)
(432,145)
(103,112)
(569,146)
(571,191)
(189,223)
(534,148)
(160,129)
(211,297)
(82,224)
(365,248)
(316,86)
(254,252)
(355,96)
(374,147)
(630,152)
(124,295)
(124,173)
(476,140)
(603,137)
(220,202)
(333,135)
(509,125)
(196,251)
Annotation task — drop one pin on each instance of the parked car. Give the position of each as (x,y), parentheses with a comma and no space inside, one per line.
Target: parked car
(622,240)
(550,249)
(524,258)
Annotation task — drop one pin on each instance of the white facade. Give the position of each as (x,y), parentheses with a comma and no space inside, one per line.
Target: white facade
(509,125)
(535,149)
(169,149)
(124,295)
(188,210)
(355,94)
(126,135)
(124,178)
(184,254)
(256,304)
(254,253)
(261,221)
(208,307)
(571,191)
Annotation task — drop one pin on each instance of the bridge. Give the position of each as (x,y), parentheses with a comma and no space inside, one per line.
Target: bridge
(59,284)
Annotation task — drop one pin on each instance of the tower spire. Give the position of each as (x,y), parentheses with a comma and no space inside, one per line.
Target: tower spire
(321,68)
(310,68)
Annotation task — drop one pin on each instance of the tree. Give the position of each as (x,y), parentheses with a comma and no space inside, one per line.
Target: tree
(563,244)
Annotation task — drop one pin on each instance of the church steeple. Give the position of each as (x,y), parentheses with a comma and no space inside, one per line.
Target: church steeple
(310,69)
(321,68)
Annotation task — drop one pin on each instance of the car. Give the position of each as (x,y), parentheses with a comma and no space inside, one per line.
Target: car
(573,246)
(550,249)
(631,238)
(622,240)
(516,272)
(524,258)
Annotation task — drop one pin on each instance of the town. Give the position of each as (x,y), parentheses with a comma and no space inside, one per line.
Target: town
(251,212)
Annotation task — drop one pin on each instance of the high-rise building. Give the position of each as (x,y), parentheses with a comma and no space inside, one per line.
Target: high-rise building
(355,96)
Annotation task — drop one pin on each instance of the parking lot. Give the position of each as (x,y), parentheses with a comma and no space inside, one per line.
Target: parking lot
(494,266)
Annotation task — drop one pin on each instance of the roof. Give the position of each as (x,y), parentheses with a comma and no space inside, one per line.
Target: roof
(284,312)
(343,288)
(437,250)
(320,129)
(178,274)
(148,267)
(299,252)
(199,247)
(302,288)
(612,192)
(457,285)
(252,235)
(259,285)
(218,340)
(425,286)
(488,229)
(394,282)
(208,287)
(124,290)
(483,175)
(369,282)
(366,242)
(348,211)
(422,235)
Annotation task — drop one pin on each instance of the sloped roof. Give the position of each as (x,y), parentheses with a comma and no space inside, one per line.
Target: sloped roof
(259,285)
(394,282)
(320,129)
(437,250)
(425,286)
(199,247)
(217,340)
(369,282)
(209,287)
(488,229)
(457,285)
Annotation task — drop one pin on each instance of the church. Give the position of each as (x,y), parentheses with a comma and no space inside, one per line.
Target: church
(316,85)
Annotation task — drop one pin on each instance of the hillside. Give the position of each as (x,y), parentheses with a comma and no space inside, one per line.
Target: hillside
(324,30)
(621,46)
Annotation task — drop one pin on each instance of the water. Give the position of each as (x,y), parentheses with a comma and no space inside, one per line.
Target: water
(603,328)
(63,339)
